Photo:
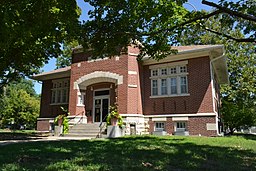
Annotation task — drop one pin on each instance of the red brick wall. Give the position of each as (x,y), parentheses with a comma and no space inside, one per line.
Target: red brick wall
(110,65)
(134,97)
(46,109)
(197,125)
(199,88)
(43,125)
(169,126)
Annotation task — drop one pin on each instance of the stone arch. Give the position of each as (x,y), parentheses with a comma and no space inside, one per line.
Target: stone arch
(97,77)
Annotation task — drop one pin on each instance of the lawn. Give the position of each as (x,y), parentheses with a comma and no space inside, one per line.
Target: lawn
(133,153)
(6,134)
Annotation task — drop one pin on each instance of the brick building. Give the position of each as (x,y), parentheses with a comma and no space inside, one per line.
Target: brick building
(178,94)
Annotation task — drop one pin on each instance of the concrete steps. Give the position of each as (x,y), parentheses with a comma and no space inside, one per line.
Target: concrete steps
(91,130)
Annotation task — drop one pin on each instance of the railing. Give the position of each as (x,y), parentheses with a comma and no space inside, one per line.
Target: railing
(101,127)
(73,117)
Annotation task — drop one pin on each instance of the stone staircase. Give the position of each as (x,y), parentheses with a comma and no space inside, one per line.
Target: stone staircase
(90,130)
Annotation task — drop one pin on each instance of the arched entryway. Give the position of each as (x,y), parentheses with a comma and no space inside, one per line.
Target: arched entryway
(100,89)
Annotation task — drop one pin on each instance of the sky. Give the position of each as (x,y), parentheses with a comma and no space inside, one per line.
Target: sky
(191,5)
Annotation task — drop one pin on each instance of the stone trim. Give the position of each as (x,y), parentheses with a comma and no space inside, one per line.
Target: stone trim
(97,77)
(180,115)
(180,118)
(180,63)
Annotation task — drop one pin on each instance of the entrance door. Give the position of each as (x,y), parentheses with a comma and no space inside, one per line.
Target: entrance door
(101,106)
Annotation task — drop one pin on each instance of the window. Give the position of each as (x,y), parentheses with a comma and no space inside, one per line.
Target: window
(60,89)
(183,69)
(180,126)
(164,71)
(163,86)
(173,85)
(154,87)
(183,85)
(80,100)
(173,70)
(155,72)
(159,126)
(169,81)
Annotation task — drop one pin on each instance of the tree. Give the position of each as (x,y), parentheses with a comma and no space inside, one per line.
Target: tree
(238,97)
(65,58)
(155,25)
(31,33)
(19,105)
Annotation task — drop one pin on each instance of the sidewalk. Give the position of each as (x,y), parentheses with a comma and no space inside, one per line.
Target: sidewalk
(38,139)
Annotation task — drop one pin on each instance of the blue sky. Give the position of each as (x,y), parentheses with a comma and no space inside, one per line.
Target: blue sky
(85,7)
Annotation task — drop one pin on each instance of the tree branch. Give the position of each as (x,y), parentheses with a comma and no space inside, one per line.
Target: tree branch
(230,37)
(183,24)
(230,12)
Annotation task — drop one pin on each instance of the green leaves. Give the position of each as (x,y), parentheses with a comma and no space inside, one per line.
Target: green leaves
(19,105)
(31,33)
(116,24)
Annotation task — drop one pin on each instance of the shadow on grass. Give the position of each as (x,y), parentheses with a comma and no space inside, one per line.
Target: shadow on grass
(12,135)
(129,153)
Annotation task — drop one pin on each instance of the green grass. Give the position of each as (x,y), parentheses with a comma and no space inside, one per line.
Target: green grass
(133,153)
(6,134)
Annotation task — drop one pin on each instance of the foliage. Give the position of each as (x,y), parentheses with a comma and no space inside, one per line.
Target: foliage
(32,32)
(65,58)
(63,119)
(238,97)
(155,25)
(114,114)
(18,108)
(133,153)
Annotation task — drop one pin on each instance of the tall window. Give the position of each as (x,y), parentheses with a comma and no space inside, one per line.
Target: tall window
(183,84)
(60,89)
(169,81)
(154,88)
(173,85)
(80,100)
(163,86)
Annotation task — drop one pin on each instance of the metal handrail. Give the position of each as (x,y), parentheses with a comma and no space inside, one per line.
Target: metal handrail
(100,125)
(76,116)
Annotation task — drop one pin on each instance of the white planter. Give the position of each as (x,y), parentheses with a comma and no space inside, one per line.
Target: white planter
(58,130)
(114,132)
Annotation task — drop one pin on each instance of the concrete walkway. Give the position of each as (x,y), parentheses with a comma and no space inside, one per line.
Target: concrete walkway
(38,139)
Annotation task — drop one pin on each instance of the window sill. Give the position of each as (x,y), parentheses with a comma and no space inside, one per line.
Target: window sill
(175,95)
(54,104)
(80,105)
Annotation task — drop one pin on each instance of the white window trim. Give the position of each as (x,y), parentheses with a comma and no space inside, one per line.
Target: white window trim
(175,126)
(159,129)
(82,97)
(168,77)
(61,95)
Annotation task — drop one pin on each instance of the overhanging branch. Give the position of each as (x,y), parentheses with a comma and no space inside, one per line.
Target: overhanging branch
(230,12)
(182,24)
(230,37)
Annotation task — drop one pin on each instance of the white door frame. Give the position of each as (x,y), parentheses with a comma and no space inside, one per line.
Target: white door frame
(100,98)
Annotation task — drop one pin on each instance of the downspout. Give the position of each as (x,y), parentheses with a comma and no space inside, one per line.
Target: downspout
(213,93)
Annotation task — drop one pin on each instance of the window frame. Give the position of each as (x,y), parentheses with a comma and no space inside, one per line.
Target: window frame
(173,71)
(161,124)
(80,98)
(180,126)
(60,92)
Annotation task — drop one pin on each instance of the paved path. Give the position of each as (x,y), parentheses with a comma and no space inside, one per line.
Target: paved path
(36,139)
